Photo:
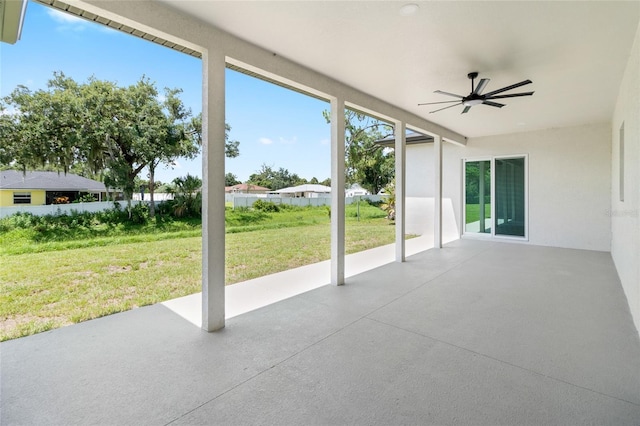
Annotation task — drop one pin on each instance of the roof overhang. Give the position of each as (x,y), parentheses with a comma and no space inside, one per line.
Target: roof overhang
(410,139)
(11,19)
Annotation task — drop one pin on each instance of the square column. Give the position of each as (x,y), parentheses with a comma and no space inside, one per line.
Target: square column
(337,191)
(437,193)
(400,131)
(213,159)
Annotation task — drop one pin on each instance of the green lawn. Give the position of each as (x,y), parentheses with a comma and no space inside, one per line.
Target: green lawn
(472,212)
(51,283)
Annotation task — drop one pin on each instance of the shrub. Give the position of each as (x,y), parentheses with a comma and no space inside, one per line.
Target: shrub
(140,214)
(266,206)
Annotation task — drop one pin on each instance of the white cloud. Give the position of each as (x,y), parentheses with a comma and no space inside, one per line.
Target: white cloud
(325,142)
(265,141)
(290,141)
(66,21)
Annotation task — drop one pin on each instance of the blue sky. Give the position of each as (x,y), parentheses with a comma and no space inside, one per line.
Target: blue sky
(275,126)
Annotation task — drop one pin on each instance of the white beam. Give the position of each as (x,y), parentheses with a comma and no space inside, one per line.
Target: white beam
(437,170)
(213,155)
(401,162)
(337,191)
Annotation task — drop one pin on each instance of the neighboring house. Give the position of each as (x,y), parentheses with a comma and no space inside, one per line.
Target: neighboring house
(356,190)
(246,188)
(304,191)
(40,188)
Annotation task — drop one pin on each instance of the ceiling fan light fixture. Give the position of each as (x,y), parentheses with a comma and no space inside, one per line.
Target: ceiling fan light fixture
(472,102)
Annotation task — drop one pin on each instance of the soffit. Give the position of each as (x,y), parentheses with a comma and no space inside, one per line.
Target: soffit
(575,52)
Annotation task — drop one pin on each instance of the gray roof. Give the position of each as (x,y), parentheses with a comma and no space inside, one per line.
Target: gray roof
(411,138)
(49,181)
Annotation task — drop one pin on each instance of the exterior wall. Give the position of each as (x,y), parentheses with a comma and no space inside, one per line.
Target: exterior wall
(38,197)
(625,215)
(569,181)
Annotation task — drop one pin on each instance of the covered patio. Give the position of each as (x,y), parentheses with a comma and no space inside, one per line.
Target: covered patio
(474,333)
(478,331)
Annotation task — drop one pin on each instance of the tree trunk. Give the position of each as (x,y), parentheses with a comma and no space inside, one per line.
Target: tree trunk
(152,184)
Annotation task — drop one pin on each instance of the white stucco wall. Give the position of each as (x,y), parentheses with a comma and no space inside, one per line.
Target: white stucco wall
(625,215)
(569,181)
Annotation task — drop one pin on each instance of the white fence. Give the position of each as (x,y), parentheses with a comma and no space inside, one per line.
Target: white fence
(60,209)
(158,196)
(247,200)
(238,200)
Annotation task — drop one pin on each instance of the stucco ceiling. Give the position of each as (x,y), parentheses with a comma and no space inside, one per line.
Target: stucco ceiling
(575,52)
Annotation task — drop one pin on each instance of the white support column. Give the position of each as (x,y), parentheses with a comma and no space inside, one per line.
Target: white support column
(337,191)
(401,162)
(437,195)
(213,158)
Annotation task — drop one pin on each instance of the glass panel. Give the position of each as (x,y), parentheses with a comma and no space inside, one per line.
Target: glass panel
(510,196)
(478,197)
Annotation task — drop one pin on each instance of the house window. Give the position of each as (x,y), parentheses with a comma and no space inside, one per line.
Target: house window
(495,196)
(622,162)
(21,198)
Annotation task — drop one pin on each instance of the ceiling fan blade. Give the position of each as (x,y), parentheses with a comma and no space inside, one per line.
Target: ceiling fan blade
(514,95)
(433,103)
(449,94)
(466,109)
(493,104)
(480,87)
(450,106)
(504,89)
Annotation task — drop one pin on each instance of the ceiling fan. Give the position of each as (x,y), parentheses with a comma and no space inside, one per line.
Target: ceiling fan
(476,97)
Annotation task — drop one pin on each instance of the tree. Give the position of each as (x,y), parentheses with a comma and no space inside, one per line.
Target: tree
(179,139)
(366,163)
(230,179)
(275,179)
(99,129)
(187,199)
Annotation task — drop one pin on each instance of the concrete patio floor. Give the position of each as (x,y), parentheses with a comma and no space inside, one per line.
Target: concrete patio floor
(475,333)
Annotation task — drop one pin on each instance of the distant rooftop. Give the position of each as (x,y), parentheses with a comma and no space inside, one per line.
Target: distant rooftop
(49,181)
(246,187)
(310,187)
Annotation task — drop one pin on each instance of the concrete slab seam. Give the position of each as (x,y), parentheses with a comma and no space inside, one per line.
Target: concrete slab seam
(421,285)
(506,362)
(265,370)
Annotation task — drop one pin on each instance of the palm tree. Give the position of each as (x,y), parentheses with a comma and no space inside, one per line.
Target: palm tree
(187,200)
(389,205)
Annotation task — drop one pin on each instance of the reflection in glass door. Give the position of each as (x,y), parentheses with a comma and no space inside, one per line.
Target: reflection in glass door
(510,196)
(477,215)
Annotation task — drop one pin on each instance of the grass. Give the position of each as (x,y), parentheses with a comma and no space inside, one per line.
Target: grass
(472,212)
(46,285)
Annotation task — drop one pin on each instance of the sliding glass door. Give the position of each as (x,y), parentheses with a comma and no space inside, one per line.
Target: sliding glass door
(510,196)
(477,197)
(495,196)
